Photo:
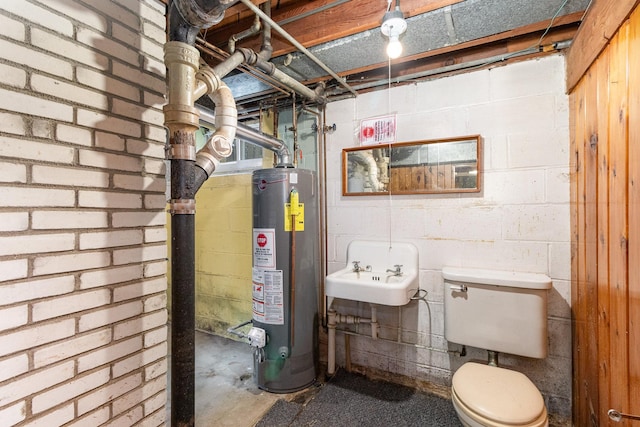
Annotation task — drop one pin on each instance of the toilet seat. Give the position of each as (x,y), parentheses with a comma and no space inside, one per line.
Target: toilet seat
(496,397)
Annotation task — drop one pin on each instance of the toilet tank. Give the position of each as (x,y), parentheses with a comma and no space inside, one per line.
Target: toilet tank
(496,310)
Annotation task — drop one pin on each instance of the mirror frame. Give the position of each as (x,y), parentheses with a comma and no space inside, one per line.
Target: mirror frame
(479,162)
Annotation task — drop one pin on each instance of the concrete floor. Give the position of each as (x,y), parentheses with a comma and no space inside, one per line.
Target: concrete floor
(226,395)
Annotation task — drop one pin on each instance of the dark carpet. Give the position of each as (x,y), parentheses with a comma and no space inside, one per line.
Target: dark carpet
(355,401)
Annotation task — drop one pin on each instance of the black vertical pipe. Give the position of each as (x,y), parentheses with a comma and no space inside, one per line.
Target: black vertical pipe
(182,321)
(186,178)
(183,288)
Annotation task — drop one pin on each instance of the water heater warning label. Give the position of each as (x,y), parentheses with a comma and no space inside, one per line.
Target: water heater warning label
(264,250)
(268,296)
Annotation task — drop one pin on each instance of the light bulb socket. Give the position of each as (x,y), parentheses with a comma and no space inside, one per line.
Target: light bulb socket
(393,23)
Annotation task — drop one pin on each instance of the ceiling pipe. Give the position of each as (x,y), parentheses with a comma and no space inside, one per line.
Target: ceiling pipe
(187,17)
(266,50)
(251,31)
(298,46)
(247,56)
(457,67)
(255,137)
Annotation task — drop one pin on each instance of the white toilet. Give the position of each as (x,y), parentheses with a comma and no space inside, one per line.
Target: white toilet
(501,312)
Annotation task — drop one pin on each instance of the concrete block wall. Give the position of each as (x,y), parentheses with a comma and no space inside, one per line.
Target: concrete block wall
(519,222)
(223,252)
(83,336)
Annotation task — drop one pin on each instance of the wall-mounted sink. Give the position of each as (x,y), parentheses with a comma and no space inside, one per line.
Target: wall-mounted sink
(375,277)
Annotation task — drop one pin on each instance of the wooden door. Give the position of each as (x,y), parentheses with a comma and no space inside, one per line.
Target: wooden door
(605,191)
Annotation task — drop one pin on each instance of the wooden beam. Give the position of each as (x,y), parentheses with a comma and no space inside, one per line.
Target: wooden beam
(601,22)
(513,40)
(343,20)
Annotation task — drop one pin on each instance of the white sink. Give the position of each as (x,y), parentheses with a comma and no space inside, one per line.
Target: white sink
(375,284)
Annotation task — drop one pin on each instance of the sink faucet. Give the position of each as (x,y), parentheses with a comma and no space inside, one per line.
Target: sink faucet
(397,271)
(356,267)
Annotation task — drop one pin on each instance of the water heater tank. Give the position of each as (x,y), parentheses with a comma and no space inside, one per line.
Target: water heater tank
(285,277)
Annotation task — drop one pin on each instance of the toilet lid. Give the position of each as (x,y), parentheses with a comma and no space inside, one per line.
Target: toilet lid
(498,394)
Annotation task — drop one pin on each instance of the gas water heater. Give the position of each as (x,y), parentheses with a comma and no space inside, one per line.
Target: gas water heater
(285,277)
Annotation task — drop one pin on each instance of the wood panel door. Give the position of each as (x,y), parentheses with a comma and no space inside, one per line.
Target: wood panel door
(605,191)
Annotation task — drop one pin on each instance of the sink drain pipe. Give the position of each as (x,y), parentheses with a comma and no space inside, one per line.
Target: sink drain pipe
(333,320)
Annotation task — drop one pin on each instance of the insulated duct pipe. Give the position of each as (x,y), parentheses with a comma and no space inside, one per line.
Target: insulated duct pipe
(256,137)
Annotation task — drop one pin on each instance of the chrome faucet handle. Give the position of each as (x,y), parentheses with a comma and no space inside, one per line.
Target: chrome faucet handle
(356,265)
(397,271)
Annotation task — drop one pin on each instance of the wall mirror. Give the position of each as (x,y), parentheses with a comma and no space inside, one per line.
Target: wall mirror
(451,165)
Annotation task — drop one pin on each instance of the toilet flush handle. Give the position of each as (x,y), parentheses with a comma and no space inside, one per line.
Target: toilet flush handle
(617,416)
(458,288)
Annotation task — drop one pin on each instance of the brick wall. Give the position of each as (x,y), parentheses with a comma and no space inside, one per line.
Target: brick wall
(519,222)
(83,337)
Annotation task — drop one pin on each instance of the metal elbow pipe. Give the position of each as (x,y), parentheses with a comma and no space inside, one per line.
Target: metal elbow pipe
(252,30)
(187,17)
(266,50)
(220,145)
(270,69)
(231,63)
(258,138)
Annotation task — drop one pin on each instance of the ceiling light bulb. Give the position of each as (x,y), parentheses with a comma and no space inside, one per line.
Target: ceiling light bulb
(393,25)
(394,48)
